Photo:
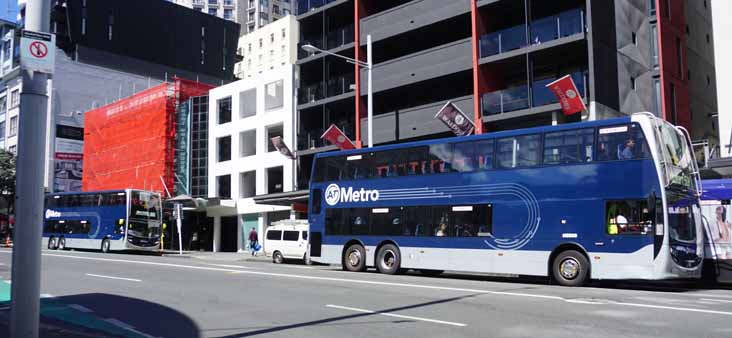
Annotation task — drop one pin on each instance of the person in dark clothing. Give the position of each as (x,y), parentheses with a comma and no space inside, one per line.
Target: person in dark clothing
(253,241)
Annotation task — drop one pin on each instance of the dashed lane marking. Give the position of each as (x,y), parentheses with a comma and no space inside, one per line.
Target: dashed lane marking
(389,314)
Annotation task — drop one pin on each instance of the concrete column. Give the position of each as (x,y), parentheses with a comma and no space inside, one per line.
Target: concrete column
(217,234)
(240,231)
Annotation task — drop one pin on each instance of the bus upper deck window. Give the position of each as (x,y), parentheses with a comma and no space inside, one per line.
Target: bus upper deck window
(317,200)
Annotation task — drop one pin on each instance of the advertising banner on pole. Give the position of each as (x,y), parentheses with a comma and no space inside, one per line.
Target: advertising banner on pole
(568,95)
(455,119)
(336,136)
(280,145)
(68,155)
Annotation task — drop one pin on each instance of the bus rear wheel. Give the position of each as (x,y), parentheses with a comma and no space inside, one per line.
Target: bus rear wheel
(355,258)
(62,243)
(570,268)
(105,245)
(388,259)
(52,243)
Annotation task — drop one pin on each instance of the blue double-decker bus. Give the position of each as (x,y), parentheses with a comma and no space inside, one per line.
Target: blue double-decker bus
(609,199)
(103,220)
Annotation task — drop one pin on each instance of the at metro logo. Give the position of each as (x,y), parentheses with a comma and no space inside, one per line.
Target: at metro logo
(335,194)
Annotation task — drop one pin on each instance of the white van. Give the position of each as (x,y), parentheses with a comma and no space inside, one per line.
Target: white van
(287,239)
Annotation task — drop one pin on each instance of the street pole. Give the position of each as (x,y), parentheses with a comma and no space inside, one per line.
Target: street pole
(370,66)
(26,269)
(179,225)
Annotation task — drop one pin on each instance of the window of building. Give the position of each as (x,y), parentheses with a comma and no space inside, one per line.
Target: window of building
(3,104)
(274,180)
(2,130)
(632,83)
(223,146)
(709,80)
(672,90)
(271,38)
(276,9)
(14,98)
(13,149)
(652,7)
(284,33)
(249,64)
(212,11)
(228,14)
(622,142)
(627,217)
(634,38)
(285,11)
(248,143)
(251,28)
(248,102)
(273,95)
(248,184)
(709,40)
(110,26)
(250,17)
(679,59)
(272,131)
(667,9)
(260,43)
(519,151)
(262,20)
(249,48)
(224,110)
(13,126)
(567,147)
(654,45)
(223,185)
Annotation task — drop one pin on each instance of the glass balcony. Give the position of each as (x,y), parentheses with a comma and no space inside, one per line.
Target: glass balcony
(557,26)
(311,93)
(340,85)
(543,30)
(540,95)
(503,41)
(304,6)
(340,37)
(310,139)
(506,100)
(332,87)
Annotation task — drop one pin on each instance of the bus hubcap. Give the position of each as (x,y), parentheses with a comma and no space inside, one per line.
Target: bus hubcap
(354,258)
(569,268)
(389,258)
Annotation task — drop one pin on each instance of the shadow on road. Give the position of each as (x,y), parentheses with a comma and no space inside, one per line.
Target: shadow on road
(105,315)
(331,320)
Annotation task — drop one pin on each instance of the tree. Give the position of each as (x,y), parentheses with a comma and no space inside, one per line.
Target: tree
(7,178)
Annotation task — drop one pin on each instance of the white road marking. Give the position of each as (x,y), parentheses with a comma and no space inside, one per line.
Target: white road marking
(80,308)
(388,314)
(710,295)
(369,282)
(112,277)
(232,266)
(716,300)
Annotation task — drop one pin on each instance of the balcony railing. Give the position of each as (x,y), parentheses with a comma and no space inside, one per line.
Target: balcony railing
(543,30)
(229,3)
(517,97)
(332,87)
(310,139)
(304,6)
(213,2)
(506,100)
(339,37)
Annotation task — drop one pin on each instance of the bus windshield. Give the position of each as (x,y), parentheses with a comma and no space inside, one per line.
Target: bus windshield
(145,215)
(679,155)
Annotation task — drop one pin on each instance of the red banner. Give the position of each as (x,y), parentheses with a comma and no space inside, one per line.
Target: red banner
(337,137)
(568,95)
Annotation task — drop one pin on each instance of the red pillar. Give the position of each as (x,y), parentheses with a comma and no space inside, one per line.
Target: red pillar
(359,54)
(477,30)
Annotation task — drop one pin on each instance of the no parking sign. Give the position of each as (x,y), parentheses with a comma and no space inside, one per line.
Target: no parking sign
(37,51)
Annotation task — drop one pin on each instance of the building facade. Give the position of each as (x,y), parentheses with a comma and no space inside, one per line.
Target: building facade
(242,162)
(255,14)
(225,9)
(270,47)
(492,59)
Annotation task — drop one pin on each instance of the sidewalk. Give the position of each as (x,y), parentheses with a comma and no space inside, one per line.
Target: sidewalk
(219,256)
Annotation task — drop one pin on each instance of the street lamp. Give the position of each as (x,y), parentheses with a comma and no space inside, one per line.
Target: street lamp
(368,65)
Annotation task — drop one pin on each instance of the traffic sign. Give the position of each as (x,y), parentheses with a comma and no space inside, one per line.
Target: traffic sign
(37,51)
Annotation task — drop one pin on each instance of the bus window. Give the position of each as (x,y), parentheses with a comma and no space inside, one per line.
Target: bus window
(472,220)
(566,147)
(518,151)
(621,143)
(484,154)
(441,221)
(628,217)
(464,157)
(386,221)
(317,201)
(440,159)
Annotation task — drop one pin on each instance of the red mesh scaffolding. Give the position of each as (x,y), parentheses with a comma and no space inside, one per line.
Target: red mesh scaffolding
(131,143)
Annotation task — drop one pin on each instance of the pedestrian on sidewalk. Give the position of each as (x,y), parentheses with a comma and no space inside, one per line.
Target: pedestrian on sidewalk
(253,241)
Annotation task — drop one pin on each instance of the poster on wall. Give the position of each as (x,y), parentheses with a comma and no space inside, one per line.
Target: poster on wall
(68,156)
(718,229)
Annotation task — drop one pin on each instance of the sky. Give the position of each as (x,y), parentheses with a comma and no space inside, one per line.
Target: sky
(8,10)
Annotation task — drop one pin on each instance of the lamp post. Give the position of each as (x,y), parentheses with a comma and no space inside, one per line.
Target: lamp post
(368,65)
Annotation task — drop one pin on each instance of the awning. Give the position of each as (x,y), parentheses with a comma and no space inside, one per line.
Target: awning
(283,198)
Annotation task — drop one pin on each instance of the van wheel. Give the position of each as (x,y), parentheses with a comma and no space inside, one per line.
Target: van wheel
(388,259)
(52,243)
(306,259)
(62,243)
(355,258)
(277,257)
(105,245)
(570,268)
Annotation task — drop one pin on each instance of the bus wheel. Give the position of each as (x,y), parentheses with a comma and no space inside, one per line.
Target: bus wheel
(388,259)
(52,243)
(355,258)
(277,257)
(570,268)
(62,243)
(105,245)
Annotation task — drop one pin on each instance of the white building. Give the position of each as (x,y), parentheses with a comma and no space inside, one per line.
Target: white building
(270,47)
(250,14)
(227,9)
(243,163)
